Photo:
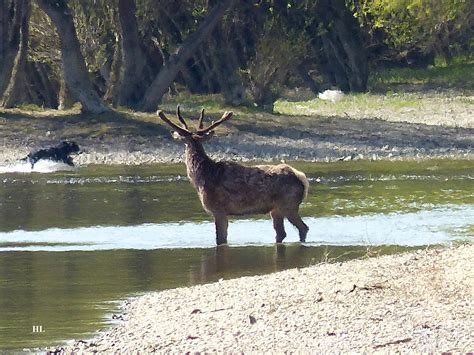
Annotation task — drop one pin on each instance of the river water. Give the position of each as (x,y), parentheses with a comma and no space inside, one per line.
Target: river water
(75,244)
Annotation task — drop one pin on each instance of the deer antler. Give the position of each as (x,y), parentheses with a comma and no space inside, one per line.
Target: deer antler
(224,118)
(180,118)
(201,118)
(182,131)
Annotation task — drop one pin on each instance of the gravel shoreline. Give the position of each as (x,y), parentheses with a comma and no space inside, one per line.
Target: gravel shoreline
(399,142)
(372,134)
(414,302)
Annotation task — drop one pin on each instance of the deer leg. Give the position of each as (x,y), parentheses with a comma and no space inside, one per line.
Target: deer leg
(221,222)
(296,220)
(278,226)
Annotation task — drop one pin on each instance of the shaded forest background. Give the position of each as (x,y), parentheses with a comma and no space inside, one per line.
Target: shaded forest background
(130,53)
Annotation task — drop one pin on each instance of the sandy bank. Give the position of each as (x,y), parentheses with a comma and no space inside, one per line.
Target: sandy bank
(415,302)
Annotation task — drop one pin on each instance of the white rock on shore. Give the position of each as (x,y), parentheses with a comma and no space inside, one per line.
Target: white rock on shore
(415,302)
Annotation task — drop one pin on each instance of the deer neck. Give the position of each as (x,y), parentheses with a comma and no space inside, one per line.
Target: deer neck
(198,164)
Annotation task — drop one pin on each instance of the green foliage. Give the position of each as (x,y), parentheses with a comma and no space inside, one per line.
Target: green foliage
(94,23)
(44,41)
(435,26)
(267,41)
(95,26)
(275,56)
(281,44)
(29,107)
(169,23)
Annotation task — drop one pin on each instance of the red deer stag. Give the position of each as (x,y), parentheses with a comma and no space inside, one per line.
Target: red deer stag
(226,188)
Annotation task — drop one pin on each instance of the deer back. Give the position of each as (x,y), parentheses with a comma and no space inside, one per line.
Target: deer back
(231,188)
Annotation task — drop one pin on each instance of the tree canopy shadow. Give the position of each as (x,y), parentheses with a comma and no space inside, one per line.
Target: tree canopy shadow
(373,132)
(110,130)
(26,127)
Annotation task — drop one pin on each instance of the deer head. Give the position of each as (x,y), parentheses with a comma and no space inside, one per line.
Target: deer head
(200,134)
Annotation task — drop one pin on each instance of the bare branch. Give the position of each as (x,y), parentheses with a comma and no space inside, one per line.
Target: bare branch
(186,50)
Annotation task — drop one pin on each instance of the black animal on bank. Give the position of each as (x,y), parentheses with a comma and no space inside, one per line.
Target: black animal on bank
(60,153)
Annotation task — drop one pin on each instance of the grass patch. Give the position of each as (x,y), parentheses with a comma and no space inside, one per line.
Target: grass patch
(394,92)
(459,75)
(188,102)
(348,104)
(30,107)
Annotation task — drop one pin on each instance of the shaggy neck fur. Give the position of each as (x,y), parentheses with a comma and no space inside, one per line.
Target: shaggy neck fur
(197,163)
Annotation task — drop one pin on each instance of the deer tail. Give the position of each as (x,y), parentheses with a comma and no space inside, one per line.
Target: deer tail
(304,180)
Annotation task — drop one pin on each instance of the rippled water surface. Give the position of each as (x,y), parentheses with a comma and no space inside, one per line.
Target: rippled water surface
(75,243)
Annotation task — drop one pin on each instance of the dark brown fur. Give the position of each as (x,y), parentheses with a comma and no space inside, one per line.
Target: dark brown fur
(60,153)
(227,188)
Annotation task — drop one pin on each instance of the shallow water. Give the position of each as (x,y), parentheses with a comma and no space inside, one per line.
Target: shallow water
(74,243)
(438,225)
(42,166)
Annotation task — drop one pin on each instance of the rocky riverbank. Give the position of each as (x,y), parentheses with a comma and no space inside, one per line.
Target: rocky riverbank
(415,302)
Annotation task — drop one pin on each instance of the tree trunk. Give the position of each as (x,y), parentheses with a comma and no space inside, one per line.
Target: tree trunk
(207,72)
(114,75)
(16,82)
(131,83)
(73,64)
(349,36)
(337,62)
(225,63)
(225,68)
(11,16)
(302,71)
(3,31)
(343,57)
(40,90)
(65,97)
(191,77)
(168,73)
